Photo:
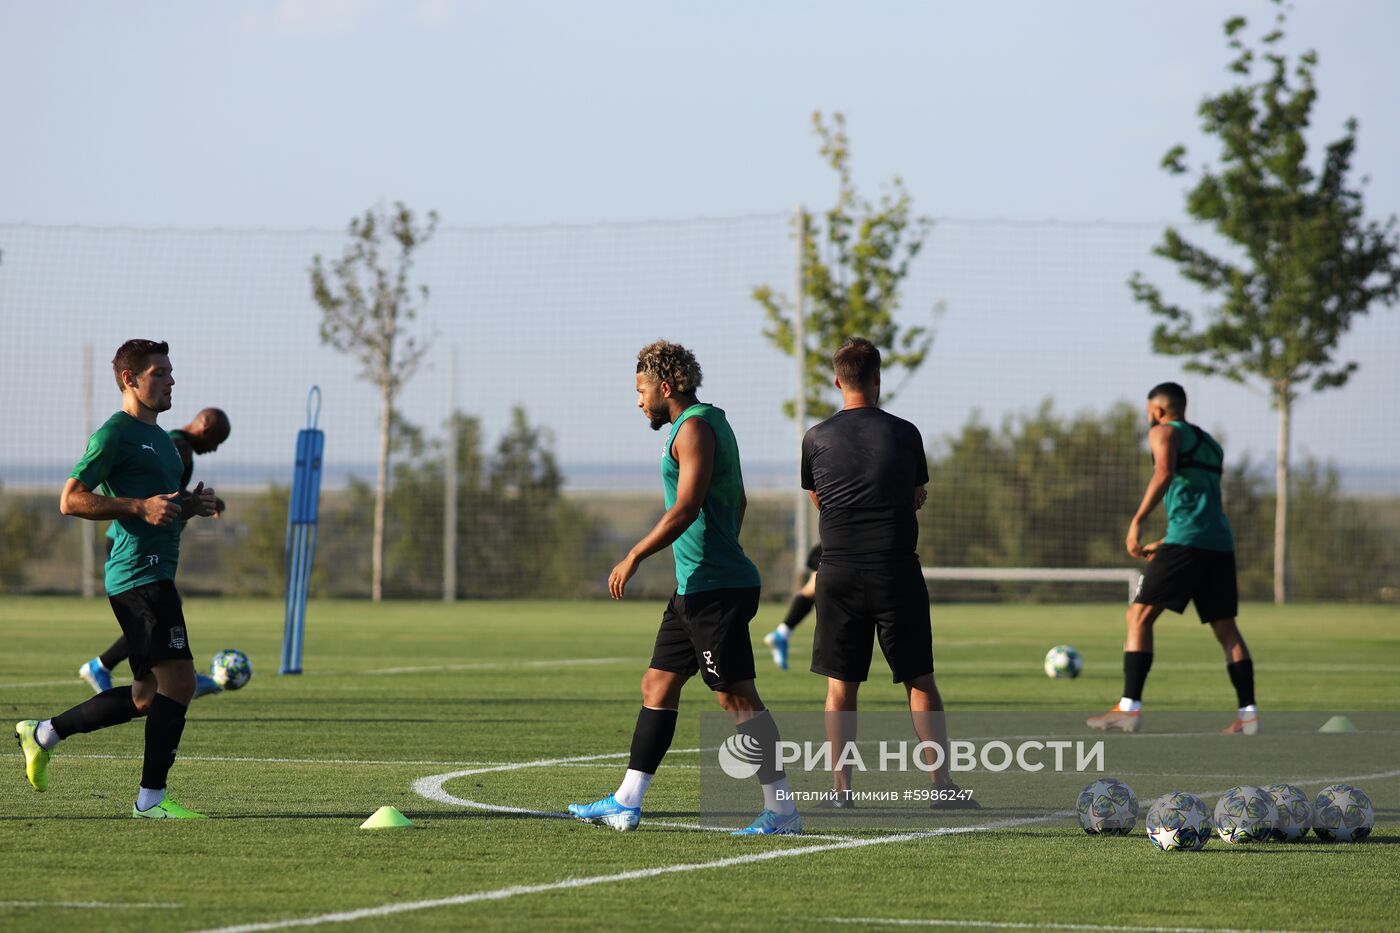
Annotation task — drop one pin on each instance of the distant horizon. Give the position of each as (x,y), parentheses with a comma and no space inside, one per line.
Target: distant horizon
(1361,480)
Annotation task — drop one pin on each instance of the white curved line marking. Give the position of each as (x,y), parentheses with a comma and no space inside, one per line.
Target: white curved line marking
(431,788)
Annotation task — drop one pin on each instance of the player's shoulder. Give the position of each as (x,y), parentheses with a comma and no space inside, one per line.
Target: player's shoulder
(898,425)
(115,427)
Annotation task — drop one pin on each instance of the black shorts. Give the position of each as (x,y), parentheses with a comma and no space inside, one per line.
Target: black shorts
(814,558)
(153,622)
(854,606)
(708,633)
(1179,574)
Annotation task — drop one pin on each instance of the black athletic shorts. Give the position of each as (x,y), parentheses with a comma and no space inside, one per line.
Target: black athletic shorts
(814,558)
(855,606)
(1179,574)
(708,633)
(153,622)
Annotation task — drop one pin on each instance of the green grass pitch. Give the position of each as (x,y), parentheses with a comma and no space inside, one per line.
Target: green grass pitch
(289,767)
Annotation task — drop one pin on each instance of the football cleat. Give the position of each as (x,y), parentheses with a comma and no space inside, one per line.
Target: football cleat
(777,643)
(1247,724)
(769,823)
(36,756)
(205,685)
(97,676)
(1116,720)
(167,809)
(607,812)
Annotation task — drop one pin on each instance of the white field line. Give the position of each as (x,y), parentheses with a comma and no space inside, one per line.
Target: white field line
(500,894)
(475,666)
(431,788)
(355,761)
(88,905)
(501,665)
(1008,925)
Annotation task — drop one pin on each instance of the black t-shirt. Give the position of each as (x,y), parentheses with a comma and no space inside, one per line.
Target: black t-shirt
(864,464)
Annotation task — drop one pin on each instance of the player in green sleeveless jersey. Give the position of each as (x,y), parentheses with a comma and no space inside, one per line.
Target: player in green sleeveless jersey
(1194,561)
(130,474)
(705,628)
(203,435)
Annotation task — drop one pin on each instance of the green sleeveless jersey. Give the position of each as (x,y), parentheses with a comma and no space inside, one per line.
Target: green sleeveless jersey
(708,555)
(1195,516)
(130,459)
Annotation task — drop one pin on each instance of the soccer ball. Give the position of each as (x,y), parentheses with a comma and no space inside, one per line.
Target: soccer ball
(1294,812)
(1245,814)
(1179,821)
(1342,813)
(230,669)
(1063,661)
(1107,807)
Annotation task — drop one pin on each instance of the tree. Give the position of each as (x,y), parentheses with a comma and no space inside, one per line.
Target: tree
(365,299)
(853,264)
(1304,261)
(518,535)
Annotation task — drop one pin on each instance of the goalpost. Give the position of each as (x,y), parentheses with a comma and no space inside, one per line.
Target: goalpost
(1039,574)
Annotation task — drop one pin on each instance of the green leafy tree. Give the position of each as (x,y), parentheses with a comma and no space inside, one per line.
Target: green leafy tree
(22,535)
(1042,490)
(854,260)
(1304,260)
(366,298)
(517,533)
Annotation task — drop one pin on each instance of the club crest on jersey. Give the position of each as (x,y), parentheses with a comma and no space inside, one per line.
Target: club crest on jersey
(177,637)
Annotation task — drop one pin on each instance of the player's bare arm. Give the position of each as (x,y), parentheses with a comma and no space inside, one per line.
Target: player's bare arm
(1163,440)
(920,497)
(694,450)
(817,503)
(81,502)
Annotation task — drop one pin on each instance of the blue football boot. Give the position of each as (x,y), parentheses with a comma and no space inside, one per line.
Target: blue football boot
(608,812)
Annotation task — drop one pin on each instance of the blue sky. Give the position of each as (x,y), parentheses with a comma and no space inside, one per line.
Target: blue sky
(296,114)
(300,112)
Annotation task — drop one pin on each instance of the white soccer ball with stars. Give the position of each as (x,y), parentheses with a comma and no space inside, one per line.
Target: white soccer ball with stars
(1342,813)
(1179,822)
(1245,814)
(1107,807)
(1294,812)
(231,669)
(1062,662)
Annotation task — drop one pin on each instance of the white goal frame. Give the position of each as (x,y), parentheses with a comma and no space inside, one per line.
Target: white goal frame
(1039,574)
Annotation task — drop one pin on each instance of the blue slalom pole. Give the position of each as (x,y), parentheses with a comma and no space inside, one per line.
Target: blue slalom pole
(302,514)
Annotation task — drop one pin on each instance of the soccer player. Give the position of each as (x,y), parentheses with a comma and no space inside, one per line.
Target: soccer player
(130,474)
(866,472)
(802,602)
(1194,562)
(705,628)
(203,435)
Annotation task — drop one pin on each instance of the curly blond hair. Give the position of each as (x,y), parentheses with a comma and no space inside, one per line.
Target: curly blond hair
(670,362)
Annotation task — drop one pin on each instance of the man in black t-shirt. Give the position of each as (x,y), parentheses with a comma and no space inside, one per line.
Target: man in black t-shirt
(866,472)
